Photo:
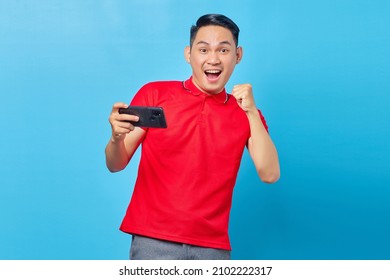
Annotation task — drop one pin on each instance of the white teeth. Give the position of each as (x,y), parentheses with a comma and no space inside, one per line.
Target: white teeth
(213,71)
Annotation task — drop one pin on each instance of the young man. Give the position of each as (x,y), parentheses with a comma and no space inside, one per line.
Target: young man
(182,197)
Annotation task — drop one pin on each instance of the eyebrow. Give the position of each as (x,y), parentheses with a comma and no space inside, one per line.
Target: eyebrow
(220,43)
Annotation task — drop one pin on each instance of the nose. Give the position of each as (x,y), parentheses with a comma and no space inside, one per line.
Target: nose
(213,58)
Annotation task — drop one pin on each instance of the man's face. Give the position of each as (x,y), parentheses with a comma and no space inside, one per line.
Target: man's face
(213,57)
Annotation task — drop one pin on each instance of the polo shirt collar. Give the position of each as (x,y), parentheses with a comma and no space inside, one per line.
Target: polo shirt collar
(189,86)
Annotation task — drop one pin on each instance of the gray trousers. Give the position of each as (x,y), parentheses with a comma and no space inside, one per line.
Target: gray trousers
(145,248)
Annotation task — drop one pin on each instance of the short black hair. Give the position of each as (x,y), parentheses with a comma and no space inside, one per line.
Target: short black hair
(214,19)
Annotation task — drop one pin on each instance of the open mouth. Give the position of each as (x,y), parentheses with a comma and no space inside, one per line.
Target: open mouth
(212,74)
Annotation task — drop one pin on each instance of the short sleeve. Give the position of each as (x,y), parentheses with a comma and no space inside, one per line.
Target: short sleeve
(144,97)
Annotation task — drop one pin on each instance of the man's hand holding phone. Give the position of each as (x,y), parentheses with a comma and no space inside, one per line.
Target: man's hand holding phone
(149,116)
(121,123)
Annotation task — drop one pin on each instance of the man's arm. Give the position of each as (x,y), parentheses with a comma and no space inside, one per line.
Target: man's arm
(260,146)
(124,141)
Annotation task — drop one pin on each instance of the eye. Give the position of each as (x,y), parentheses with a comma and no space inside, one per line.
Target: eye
(203,50)
(224,50)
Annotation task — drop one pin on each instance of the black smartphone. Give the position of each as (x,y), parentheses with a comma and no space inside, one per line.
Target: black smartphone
(148,116)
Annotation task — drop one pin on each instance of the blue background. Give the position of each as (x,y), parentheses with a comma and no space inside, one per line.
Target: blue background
(320,72)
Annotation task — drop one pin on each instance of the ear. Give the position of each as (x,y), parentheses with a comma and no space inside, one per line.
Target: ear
(187,54)
(239,54)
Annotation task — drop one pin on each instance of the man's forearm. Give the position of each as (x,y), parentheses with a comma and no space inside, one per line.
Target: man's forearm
(262,149)
(116,155)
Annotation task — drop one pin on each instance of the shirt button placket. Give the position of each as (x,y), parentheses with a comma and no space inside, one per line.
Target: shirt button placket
(202,114)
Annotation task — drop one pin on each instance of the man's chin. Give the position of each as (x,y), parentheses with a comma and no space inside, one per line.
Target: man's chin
(211,90)
(209,87)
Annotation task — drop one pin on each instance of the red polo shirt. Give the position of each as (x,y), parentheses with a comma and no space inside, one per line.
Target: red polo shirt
(187,172)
